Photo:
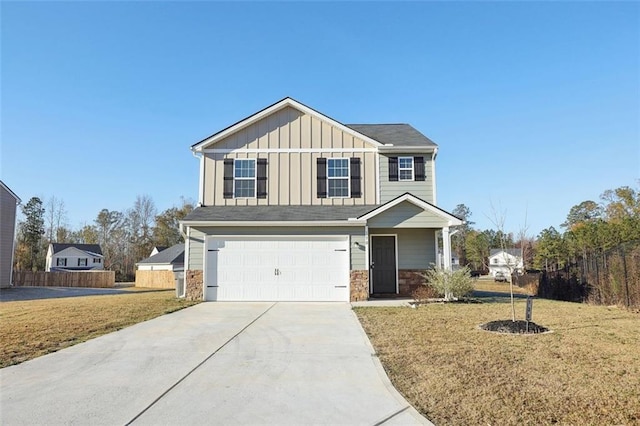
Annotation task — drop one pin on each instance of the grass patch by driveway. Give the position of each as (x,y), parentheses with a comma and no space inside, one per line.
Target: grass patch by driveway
(586,372)
(32,328)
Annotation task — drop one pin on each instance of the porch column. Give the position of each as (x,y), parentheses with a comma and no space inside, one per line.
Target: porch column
(446,248)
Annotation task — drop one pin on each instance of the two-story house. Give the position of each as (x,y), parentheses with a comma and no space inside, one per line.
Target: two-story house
(507,261)
(8,204)
(74,257)
(296,206)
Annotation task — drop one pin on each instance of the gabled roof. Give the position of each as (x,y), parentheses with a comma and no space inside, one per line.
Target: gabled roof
(173,255)
(394,134)
(89,248)
(453,220)
(286,102)
(512,251)
(13,194)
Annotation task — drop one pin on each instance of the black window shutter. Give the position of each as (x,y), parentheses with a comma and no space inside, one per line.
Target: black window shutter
(261,177)
(355,178)
(393,168)
(418,164)
(322,177)
(227,190)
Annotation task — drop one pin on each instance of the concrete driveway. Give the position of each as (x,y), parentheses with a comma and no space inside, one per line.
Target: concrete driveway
(213,363)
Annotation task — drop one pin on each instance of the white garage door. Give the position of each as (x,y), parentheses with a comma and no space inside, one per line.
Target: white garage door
(277,269)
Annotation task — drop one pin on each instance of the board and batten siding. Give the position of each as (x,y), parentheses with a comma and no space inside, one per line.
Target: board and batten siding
(407,215)
(8,207)
(291,176)
(416,247)
(392,189)
(356,234)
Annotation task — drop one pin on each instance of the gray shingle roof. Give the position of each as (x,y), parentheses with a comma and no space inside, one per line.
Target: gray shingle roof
(173,255)
(512,251)
(93,248)
(395,134)
(276,213)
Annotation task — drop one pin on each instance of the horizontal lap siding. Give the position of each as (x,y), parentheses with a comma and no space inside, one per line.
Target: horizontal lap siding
(196,248)
(407,215)
(291,177)
(421,189)
(416,247)
(7,232)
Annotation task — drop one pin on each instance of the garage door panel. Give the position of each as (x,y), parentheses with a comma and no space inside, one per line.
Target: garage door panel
(278,269)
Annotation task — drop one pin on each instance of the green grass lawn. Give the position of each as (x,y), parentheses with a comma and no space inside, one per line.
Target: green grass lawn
(586,372)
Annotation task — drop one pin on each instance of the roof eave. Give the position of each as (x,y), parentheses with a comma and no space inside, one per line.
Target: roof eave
(223,223)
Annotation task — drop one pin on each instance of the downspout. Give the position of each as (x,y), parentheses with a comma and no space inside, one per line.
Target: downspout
(187,238)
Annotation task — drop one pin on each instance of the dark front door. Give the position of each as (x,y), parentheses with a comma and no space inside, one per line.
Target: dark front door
(383,264)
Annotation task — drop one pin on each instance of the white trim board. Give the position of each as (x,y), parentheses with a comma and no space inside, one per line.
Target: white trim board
(286,150)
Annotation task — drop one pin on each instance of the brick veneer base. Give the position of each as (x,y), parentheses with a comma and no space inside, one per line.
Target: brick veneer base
(194,285)
(409,280)
(359,285)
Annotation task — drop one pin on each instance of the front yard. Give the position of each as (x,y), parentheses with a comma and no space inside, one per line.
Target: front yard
(32,328)
(585,372)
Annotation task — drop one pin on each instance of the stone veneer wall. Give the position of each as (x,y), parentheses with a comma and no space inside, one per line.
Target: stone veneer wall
(194,285)
(409,280)
(359,288)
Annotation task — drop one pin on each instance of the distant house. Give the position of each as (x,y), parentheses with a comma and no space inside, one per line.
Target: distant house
(157,249)
(74,257)
(505,261)
(167,259)
(8,204)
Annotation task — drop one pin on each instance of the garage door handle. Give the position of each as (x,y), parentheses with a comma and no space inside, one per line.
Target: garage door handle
(340,250)
(213,250)
(212,286)
(341,286)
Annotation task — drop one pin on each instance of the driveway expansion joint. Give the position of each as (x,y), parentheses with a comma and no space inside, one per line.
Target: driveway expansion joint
(211,355)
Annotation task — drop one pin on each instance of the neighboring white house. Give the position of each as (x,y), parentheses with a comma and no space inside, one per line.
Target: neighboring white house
(167,259)
(505,261)
(157,249)
(8,204)
(74,257)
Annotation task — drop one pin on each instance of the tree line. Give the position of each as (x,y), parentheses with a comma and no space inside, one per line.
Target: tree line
(597,249)
(126,237)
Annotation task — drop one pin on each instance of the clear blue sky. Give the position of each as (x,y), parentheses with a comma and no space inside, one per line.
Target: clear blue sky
(535,106)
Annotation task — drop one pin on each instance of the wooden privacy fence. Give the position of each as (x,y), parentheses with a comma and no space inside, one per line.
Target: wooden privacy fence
(155,279)
(90,279)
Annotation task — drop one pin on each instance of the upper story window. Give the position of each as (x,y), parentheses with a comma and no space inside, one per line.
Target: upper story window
(61,261)
(405,168)
(82,262)
(97,260)
(338,177)
(244,178)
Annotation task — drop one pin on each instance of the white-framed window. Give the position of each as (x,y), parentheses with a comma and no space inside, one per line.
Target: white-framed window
(405,168)
(97,260)
(338,177)
(244,178)
(82,262)
(61,261)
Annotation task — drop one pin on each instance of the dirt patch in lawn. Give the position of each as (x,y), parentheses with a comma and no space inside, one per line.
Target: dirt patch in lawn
(514,327)
(585,372)
(32,328)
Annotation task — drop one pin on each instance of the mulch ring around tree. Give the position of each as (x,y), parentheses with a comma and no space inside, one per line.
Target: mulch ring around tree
(514,327)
